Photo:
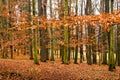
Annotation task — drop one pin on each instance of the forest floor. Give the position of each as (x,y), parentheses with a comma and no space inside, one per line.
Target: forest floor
(27,70)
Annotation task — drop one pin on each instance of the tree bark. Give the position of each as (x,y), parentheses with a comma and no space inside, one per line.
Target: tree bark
(88,47)
(111,44)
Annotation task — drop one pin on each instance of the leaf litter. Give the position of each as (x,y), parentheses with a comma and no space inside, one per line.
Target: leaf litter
(27,70)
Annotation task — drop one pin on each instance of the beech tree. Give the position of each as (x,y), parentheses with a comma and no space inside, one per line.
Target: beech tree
(66,45)
(88,10)
(30,18)
(43,32)
(34,32)
(77,29)
(111,43)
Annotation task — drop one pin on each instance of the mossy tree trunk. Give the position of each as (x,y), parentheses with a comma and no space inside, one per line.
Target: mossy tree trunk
(52,32)
(1,28)
(61,15)
(34,32)
(66,45)
(111,44)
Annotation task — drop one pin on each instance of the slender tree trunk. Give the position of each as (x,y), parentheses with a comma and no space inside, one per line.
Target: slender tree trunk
(69,48)
(30,19)
(43,37)
(34,44)
(9,22)
(52,32)
(2,27)
(81,35)
(77,29)
(88,47)
(118,45)
(65,55)
(111,44)
(104,48)
(100,47)
(60,16)
(76,48)
(94,55)
(118,41)
(105,34)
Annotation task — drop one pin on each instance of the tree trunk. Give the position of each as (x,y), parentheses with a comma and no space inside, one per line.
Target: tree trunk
(77,29)
(43,37)
(52,32)
(88,47)
(65,55)
(2,28)
(30,19)
(34,44)
(118,45)
(81,36)
(111,44)
(9,22)
(105,34)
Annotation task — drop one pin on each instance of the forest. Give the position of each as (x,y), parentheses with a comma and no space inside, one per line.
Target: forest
(59,40)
